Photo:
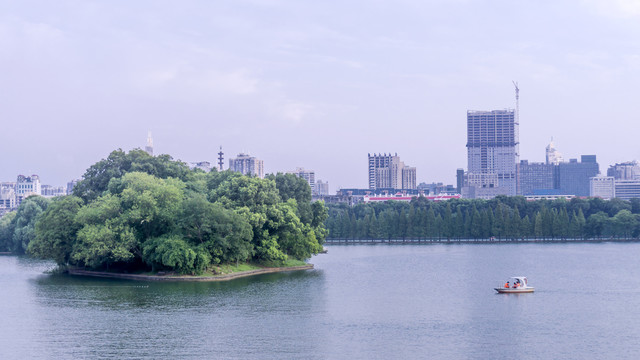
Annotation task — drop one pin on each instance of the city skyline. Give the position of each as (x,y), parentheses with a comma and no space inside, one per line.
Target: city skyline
(193,163)
(306,84)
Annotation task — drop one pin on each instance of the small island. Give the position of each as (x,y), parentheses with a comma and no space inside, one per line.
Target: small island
(146,217)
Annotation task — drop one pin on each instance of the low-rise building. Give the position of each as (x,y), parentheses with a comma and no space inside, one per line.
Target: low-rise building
(602,187)
(627,189)
(406,198)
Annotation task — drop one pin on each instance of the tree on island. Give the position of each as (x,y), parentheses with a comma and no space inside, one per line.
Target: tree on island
(133,211)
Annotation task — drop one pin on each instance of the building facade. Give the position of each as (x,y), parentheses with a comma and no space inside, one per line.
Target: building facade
(322,188)
(8,199)
(625,171)
(459,180)
(70,185)
(437,189)
(409,177)
(627,189)
(602,187)
(13,193)
(247,165)
(492,153)
(52,191)
(536,176)
(28,185)
(574,177)
(388,172)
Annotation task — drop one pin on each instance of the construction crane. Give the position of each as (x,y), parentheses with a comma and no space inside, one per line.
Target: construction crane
(515,83)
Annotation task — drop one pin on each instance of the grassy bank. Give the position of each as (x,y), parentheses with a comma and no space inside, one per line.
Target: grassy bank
(217,273)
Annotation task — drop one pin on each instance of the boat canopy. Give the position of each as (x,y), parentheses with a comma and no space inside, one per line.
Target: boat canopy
(521,279)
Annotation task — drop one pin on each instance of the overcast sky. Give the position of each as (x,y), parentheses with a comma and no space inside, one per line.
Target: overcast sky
(314,84)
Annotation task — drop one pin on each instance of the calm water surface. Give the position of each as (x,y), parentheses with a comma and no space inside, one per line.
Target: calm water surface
(360,302)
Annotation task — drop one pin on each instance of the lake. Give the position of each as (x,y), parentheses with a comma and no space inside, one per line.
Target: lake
(360,302)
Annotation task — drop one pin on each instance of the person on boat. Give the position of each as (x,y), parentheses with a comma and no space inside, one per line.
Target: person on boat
(506,286)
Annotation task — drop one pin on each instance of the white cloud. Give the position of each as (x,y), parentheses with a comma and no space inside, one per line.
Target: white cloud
(616,8)
(238,82)
(628,7)
(30,38)
(195,84)
(296,112)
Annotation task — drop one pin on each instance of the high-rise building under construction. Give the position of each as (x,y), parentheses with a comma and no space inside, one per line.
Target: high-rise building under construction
(492,153)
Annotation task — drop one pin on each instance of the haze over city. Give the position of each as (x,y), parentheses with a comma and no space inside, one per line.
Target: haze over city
(314,85)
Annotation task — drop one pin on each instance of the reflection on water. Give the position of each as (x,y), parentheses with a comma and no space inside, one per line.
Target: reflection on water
(64,290)
(361,302)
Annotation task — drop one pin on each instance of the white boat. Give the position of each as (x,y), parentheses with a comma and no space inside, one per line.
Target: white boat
(515,285)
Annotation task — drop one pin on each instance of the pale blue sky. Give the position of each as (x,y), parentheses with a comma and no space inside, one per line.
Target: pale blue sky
(314,84)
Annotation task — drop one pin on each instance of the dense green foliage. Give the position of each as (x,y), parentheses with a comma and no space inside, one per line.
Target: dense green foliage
(56,240)
(502,218)
(135,212)
(96,179)
(18,228)
(6,231)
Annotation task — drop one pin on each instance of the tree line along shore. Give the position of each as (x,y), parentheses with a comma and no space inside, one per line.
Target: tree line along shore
(502,218)
(135,213)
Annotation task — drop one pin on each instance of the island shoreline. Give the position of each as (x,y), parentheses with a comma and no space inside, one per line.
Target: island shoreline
(187,278)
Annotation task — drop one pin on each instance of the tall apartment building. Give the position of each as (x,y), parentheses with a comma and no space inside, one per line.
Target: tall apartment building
(629,170)
(247,165)
(308,175)
(409,178)
(492,153)
(388,172)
